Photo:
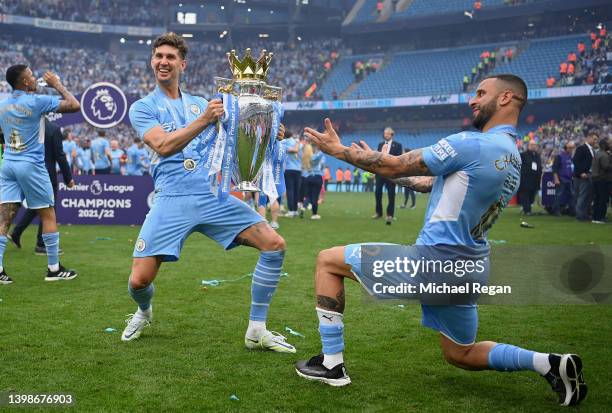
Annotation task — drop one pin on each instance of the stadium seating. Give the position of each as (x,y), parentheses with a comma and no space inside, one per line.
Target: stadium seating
(540,59)
(429,7)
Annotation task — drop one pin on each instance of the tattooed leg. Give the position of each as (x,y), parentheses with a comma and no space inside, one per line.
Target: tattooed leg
(7,214)
(262,237)
(329,279)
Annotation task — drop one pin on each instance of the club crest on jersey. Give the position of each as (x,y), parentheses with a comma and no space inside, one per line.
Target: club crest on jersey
(141,245)
(195,109)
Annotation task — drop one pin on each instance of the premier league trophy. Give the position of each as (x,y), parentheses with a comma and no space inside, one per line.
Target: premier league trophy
(258,116)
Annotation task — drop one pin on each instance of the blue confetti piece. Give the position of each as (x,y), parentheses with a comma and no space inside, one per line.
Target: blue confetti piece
(293,332)
(234,398)
(215,283)
(110,330)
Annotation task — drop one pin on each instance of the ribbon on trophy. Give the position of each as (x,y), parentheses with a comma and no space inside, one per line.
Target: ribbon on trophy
(220,159)
(271,164)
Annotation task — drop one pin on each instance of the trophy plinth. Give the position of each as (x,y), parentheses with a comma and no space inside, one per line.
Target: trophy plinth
(255,102)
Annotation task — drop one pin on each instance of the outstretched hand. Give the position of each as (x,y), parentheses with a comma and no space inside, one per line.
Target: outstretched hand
(328,141)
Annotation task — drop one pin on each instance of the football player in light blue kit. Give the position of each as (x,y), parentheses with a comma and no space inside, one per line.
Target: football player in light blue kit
(134,158)
(471,176)
(23,175)
(101,153)
(117,158)
(184,202)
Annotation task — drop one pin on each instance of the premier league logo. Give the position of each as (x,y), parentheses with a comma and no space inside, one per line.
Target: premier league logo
(103,105)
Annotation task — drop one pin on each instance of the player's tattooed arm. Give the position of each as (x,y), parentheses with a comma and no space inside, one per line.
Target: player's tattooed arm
(70,103)
(361,156)
(416,183)
(7,214)
(332,304)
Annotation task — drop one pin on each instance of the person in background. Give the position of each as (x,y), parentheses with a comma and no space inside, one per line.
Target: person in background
(117,158)
(388,147)
(326,177)
(100,150)
(562,176)
(70,148)
(339,179)
(348,177)
(531,175)
(312,171)
(602,177)
(134,158)
(408,193)
(84,159)
(356,179)
(583,187)
(292,173)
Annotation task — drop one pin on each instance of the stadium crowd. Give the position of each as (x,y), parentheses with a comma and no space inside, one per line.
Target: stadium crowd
(142,13)
(294,68)
(586,64)
(577,151)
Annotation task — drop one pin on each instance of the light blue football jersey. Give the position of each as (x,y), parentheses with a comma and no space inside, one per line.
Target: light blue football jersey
(23,124)
(169,173)
(99,147)
(476,176)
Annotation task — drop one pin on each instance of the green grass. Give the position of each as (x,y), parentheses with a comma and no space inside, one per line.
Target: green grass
(52,337)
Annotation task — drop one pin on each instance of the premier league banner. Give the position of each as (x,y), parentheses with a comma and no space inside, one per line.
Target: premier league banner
(105,200)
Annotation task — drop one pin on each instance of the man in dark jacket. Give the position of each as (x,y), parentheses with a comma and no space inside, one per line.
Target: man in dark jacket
(531,175)
(562,169)
(54,153)
(583,187)
(387,146)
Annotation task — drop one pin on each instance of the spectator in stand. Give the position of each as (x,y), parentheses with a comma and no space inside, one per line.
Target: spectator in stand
(562,176)
(531,175)
(466,83)
(571,57)
(474,74)
(581,48)
(348,177)
(550,81)
(583,187)
(339,179)
(602,180)
(508,55)
(563,70)
(379,7)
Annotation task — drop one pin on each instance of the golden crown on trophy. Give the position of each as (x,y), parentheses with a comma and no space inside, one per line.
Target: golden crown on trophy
(249,68)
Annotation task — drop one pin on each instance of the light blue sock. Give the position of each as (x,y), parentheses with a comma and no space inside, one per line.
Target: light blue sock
(142,296)
(332,337)
(265,280)
(2,248)
(506,357)
(51,240)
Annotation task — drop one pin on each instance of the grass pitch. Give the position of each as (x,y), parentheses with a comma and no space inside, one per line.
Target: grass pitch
(53,339)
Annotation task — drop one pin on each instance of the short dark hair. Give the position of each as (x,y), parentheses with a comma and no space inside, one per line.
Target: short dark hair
(13,74)
(174,40)
(516,84)
(137,140)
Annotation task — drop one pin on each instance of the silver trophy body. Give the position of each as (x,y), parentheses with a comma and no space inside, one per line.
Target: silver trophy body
(255,101)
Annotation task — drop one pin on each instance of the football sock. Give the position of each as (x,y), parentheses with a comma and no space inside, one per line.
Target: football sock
(506,357)
(331,329)
(142,296)
(51,240)
(256,329)
(265,280)
(2,248)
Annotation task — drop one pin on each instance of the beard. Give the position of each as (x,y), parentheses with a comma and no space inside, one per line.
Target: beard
(484,115)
